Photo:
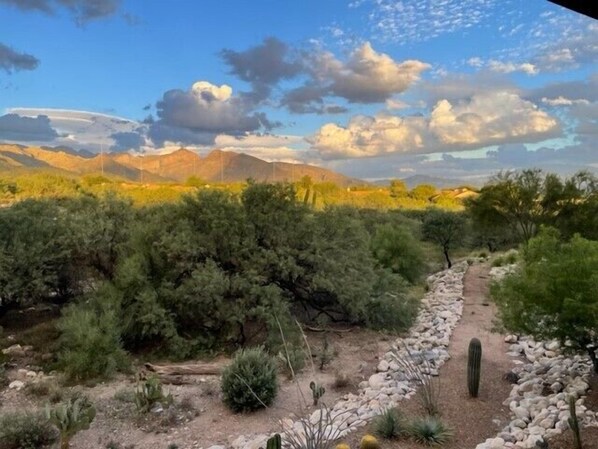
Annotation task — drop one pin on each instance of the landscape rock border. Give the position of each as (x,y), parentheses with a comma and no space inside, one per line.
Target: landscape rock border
(428,339)
(539,400)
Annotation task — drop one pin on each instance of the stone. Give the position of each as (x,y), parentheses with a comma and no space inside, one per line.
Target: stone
(383,366)
(16,385)
(511,339)
(377,381)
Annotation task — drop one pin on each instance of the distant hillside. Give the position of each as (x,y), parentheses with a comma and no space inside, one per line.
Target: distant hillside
(218,166)
(441,183)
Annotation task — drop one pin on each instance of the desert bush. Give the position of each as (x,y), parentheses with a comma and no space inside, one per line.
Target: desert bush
(396,248)
(23,430)
(419,371)
(341,380)
(71,417)
(292,360)
(45,388)
(249,382)
(150,392)
(430,430)
(317,431)
(389,424)
(90,345)
(553,294)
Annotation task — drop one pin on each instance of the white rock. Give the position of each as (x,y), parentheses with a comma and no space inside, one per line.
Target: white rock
(16,385)
(383,366)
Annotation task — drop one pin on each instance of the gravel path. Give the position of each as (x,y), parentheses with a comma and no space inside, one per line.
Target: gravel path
(472,420)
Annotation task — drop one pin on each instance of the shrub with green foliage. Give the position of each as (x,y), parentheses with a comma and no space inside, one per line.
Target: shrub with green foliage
(389,424)
(446,229)
(23,430)
(90,345)
(396,248)
(249,382)
(553,294)
(430,430)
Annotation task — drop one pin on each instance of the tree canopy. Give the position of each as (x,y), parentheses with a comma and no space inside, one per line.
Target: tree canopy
(554,294)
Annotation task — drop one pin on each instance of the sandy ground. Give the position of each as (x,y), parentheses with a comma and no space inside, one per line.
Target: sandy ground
(472,420)
(356,354)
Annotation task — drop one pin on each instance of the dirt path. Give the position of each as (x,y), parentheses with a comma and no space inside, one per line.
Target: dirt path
(472,420)
(486,413)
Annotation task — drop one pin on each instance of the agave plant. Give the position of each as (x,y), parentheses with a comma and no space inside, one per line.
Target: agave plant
(70,417)
(430,431)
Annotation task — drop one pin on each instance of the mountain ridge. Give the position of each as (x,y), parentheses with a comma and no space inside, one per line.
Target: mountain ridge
(177,166)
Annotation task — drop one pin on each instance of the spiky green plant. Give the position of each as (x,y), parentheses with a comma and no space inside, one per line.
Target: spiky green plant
(150,392)
(430,431)
(70,417)
(574,423)
(274,442)
(474,367)
(317,391)
(389,424)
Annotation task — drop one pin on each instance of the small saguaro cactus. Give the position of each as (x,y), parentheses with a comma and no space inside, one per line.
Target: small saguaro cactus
(574,423)
(317,391)
(274,442)
(369,442)
(474,366)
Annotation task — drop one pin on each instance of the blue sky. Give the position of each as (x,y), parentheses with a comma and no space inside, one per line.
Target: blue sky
(373,88)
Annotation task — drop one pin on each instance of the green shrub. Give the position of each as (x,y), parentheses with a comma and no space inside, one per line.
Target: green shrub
(90,345)
(430,431)
(149,392)
(292,360)
(22,430)
(249,382)
(396,248)
(389,424)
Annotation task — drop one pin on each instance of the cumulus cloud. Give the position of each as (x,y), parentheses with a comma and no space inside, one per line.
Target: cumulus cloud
(12,60)
(14,127)
(82,10)
(202,112)
(368,76)
(129,140)
(486,119)
(263,65)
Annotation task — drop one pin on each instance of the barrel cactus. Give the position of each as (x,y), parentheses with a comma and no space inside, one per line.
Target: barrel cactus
(474,366)
(369,442)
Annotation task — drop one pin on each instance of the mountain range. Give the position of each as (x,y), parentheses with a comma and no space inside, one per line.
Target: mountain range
(178,166)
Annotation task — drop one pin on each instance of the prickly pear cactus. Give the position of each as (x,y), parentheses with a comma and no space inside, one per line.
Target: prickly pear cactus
(317,391)
(71,417)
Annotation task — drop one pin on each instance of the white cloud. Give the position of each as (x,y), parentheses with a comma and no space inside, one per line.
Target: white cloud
(486,119)
(368,76)
(411,21)
(256,140)
(562,101)
(510,67)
